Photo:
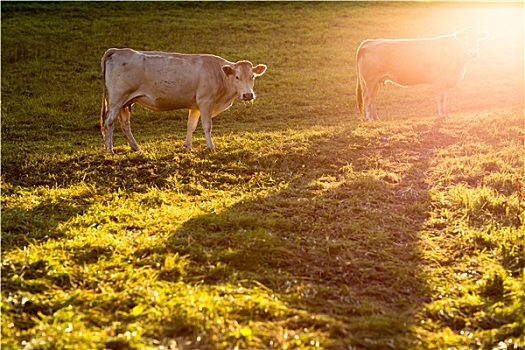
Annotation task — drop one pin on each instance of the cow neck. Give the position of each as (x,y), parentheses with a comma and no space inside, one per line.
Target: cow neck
(229,93)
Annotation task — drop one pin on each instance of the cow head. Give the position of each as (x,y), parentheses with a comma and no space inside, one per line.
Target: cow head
(469,39)
(244,73)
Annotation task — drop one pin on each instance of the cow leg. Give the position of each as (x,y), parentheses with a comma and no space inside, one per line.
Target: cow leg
(445,104)
(370,92)
(442,99)
(125,126)
(206,115)
(109,125)
(193,119)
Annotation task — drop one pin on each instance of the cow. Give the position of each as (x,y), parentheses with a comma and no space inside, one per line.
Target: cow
(439,61)
(160,81)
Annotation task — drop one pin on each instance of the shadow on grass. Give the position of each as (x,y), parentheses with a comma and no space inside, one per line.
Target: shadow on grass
(338,241)
(350,252)
(37,224)
(341,240)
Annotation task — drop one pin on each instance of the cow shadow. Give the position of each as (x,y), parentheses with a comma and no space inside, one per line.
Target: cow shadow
(341,230)
(342,236)
(41,222)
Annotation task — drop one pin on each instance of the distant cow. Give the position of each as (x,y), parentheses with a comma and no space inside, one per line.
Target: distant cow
(160,81)
(439,61)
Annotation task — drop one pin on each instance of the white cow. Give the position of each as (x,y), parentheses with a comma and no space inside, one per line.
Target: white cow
(439,61)
(160,81)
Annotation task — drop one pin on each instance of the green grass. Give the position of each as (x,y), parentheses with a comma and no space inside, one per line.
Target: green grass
(308,228)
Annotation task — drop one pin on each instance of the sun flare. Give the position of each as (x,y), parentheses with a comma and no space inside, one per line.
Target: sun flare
(504,22)
(501,54)
(504,46)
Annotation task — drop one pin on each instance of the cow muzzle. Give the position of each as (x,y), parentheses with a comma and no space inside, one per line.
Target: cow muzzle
(247,96)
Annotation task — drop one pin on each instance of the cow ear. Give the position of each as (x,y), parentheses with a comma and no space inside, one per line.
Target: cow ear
(483,35)
(259,69)
(228,70)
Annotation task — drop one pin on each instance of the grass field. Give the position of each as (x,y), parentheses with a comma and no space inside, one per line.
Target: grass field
(308,228)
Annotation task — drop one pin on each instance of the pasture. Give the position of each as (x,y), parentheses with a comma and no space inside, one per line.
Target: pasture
(307,228)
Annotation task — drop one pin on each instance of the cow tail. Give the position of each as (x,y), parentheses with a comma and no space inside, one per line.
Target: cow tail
(359,93)
(104,91)
(104,110)
(359,88)
(104,102)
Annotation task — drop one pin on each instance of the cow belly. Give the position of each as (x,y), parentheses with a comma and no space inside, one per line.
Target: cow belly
(441,77)
(409,73)
(164,103)
(419,65)
(406,80)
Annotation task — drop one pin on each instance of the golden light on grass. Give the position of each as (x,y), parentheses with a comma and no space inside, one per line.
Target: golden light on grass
(308,228)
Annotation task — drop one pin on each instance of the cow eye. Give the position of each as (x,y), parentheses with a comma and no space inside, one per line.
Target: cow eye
(237,77)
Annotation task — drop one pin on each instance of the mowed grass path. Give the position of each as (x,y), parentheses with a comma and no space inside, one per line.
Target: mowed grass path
(308,228)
